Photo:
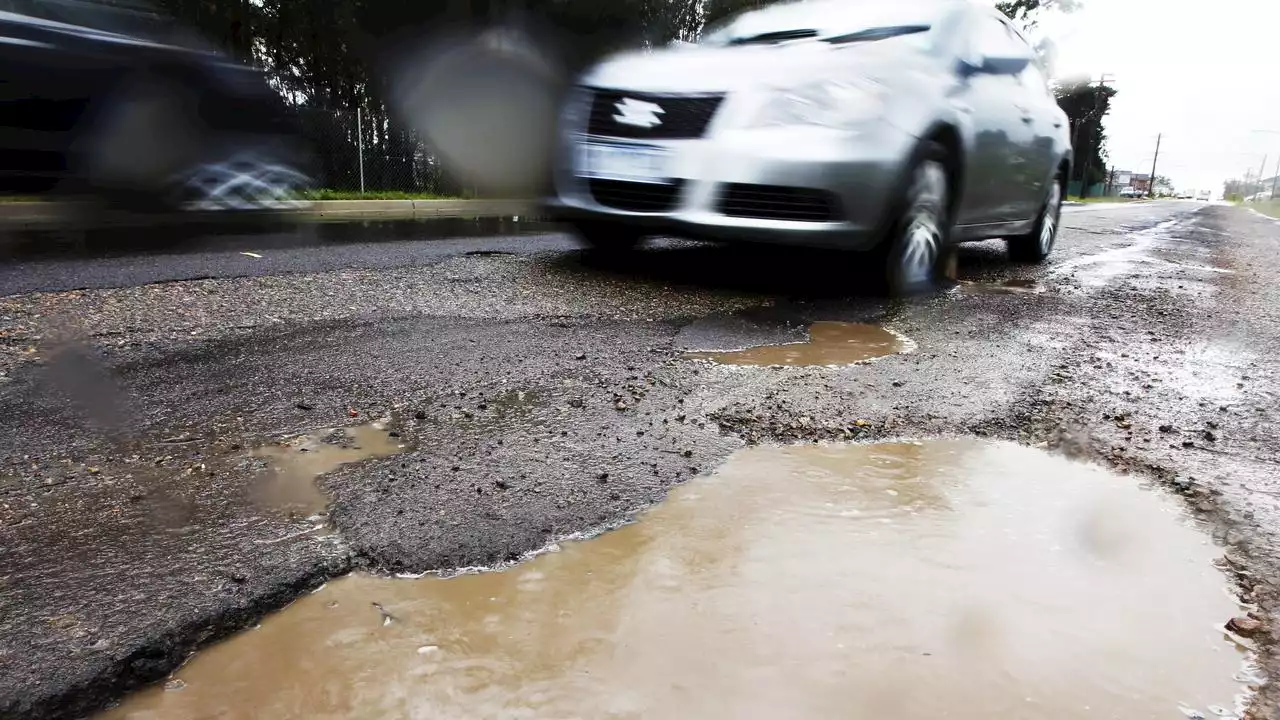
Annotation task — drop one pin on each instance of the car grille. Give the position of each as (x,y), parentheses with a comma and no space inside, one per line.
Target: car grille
(633,196)
(773,202)
(682,117)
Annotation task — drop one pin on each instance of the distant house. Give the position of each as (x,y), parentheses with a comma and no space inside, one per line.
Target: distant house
(1140,182)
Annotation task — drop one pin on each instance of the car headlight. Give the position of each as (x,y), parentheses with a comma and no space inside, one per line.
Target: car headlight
(841,104)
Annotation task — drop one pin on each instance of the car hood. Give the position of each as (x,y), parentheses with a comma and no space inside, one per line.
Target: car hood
(719,69)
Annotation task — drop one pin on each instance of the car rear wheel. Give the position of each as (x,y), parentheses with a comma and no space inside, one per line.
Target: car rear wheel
(1035,246)
(146,149)
(608,237)
(915,250)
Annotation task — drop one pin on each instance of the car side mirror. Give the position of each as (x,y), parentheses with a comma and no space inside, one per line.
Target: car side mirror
(1010,65)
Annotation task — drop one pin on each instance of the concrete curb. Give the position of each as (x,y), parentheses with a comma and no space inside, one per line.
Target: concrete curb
(418,208)
(37,214)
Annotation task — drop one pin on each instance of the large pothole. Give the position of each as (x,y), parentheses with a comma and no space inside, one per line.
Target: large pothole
(956,578)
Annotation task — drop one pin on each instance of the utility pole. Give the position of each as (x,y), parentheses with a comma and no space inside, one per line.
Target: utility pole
(1151,184)
(1274,178)
(360,145)
(1262,172)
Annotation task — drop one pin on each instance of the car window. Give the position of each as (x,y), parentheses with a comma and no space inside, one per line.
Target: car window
(992,38)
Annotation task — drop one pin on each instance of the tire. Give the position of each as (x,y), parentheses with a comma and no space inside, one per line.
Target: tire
(147,150)
(912,254)
(608,237)
(1036,245)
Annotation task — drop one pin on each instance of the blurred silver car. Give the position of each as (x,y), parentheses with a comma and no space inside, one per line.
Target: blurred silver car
(886,126)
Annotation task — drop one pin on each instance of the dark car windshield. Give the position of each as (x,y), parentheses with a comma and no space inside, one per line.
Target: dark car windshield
(134,18)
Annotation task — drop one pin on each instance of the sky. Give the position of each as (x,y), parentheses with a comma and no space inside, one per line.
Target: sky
(1205,73)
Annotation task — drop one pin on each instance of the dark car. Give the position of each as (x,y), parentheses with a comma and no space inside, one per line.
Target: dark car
(112,98)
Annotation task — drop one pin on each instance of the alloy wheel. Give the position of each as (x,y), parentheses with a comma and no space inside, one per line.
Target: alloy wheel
(922,226)
(1049,223)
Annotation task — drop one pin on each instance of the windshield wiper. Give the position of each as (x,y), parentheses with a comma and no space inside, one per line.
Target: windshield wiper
(776,36)
(879,33)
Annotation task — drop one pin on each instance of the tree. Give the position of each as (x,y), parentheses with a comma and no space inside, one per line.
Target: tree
(1086,104)
(1025,12)
(717,11)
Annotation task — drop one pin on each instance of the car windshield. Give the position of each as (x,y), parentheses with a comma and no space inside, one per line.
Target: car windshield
(830,21)
(134,18)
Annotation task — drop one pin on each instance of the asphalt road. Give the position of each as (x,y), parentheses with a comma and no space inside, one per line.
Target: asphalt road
(540,392)
(48,261)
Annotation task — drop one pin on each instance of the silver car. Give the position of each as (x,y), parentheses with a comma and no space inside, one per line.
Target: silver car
(890,127)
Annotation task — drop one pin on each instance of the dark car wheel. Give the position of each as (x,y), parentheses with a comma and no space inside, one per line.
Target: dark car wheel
(608,237)
(1035,246)
(912,254)
(146,149)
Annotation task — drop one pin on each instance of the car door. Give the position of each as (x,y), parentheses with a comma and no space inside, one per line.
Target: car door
(990,96)
(1040,112)
(46,80)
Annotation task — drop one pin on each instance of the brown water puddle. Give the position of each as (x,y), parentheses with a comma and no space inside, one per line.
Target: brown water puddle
(956,579)
(290,486)
(830,343)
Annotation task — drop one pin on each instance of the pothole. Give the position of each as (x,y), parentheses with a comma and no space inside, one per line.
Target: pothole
(959,578)
(829,343)
(291,487)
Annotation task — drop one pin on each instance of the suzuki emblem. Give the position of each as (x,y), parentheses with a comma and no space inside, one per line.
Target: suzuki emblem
(638,113)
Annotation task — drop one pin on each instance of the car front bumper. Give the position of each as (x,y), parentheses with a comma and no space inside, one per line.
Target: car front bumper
(797,185)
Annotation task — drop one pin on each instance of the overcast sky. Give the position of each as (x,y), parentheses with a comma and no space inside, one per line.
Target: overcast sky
(1203,73)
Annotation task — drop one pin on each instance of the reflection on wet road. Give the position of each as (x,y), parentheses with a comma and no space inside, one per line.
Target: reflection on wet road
(955,579)
(830,343)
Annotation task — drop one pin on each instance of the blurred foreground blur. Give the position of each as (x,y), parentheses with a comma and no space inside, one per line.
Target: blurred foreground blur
(116,102)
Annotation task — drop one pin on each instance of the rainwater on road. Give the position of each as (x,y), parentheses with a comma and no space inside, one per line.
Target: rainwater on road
(296,463)
(954,578)
(829,343)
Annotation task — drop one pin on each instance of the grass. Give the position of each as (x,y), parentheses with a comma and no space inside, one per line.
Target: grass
(373,195)
(1106,199)
(309,195)
(1269,207)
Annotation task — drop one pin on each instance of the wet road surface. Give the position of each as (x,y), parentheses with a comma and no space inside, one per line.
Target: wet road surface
(52,261)
(539,392)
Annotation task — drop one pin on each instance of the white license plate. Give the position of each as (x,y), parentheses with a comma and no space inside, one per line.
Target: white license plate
(623,162)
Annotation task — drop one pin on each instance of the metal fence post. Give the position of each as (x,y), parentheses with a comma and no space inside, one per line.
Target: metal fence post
(360,146)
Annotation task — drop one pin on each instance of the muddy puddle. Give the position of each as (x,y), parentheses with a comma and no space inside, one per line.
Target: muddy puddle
(829,343)
(955,579)
(295,464)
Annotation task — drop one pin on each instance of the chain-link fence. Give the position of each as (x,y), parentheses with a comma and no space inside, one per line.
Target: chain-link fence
(358,153)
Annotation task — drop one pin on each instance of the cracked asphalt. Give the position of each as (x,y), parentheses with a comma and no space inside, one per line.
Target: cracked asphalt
(540,393)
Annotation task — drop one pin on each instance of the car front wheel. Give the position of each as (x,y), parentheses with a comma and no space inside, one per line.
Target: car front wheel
(912,254)
(1035,246)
